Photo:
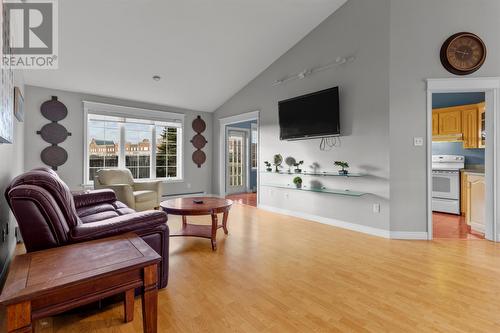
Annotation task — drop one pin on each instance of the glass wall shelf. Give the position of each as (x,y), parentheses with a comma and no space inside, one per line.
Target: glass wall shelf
(318,190)
(319,174)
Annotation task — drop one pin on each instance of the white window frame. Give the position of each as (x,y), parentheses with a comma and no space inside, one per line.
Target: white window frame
(137,113)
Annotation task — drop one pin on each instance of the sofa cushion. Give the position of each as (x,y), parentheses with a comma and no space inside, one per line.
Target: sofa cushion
(142,196)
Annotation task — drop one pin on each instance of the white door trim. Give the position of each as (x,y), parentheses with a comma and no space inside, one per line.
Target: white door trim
(223,122)
(248,165)
(491,86)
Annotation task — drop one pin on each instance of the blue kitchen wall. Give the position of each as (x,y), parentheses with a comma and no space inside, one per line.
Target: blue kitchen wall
(472,156)
(253,172)
(456,99)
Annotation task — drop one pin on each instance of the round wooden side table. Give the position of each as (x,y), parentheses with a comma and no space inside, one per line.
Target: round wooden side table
(194,206)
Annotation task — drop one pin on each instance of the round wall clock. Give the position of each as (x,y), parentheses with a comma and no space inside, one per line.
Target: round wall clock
(463,53)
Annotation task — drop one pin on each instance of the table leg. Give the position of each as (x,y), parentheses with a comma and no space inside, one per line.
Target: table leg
(224,221)
(19,318)
(150,299)
(184,221)
(214,231)
(129,305)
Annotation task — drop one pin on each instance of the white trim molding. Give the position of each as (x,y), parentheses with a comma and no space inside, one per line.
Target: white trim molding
(491,87)
(409,235)
(223,122)
(401,235)
(332,222)
(131,112)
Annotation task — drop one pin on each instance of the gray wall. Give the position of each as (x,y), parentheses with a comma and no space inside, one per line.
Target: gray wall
(418,29)
(11,164)
(360,28)
(195,179)
(396,44)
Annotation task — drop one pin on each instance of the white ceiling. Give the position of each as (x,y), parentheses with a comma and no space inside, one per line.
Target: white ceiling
(204,50)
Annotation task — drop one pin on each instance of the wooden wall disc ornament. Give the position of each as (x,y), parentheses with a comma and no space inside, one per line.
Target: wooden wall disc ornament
(199,125)
(199,141)
(54,156)
(54,110)
(54,133)
(199,157)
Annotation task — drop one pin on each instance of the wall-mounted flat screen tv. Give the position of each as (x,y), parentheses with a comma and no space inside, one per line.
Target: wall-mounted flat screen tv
(310,116)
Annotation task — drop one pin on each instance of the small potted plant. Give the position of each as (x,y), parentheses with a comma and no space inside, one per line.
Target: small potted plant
(298,182)
(297,166)
(343,165)
(277,160)
(268,166)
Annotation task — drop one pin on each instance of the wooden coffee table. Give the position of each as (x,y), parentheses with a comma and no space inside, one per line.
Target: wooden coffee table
(187,207)
(45,283)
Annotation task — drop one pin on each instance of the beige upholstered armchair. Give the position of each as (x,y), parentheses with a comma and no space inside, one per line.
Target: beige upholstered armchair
(137,195)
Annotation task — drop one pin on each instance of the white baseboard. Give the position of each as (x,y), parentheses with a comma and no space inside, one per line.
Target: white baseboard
(348,225)
(411,235)
(333,222)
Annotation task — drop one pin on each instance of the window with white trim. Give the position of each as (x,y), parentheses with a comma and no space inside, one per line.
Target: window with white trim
(254,142)
(149,148)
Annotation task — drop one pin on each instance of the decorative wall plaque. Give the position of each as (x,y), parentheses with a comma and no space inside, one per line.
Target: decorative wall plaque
(54,133)
(199,141)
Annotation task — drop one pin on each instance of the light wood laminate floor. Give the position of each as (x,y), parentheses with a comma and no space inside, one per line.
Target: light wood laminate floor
(275,273)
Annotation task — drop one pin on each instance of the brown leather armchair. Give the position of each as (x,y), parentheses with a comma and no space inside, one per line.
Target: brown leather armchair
(49,215)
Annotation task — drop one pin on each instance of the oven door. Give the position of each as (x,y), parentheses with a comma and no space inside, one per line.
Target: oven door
(446,184)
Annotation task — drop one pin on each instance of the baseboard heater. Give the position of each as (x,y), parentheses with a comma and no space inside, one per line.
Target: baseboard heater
(180,195)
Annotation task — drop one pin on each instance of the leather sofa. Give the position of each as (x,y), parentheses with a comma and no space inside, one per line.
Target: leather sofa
(139,195)
(49,215)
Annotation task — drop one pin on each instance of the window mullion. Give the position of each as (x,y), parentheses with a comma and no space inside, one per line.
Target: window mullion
(152,163)
(121,159)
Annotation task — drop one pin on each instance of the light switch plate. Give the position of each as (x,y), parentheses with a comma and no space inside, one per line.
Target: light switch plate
(418,141)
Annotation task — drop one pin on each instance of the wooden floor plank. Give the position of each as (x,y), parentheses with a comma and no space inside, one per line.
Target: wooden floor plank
(275,273)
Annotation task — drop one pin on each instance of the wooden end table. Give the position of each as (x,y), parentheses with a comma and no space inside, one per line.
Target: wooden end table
(188,207)
(48,282)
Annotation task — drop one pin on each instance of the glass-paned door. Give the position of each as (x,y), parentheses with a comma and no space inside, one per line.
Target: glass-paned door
(236,164)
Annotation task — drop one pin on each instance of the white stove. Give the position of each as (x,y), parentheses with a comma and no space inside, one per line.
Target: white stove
(446,183)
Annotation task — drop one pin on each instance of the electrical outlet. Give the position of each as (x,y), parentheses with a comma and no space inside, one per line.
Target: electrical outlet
(188,185)
(376,208)
(418,141)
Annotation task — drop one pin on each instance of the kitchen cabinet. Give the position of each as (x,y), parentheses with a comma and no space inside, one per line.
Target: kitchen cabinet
(462,123)
(450,122)
(482,125)
(475,201)
(463,193)
(470,127)
(435,124)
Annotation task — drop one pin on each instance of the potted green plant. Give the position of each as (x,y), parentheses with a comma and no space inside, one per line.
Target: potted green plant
(298,182)
(343,165)
(277,160)
(268,166)
(297,166)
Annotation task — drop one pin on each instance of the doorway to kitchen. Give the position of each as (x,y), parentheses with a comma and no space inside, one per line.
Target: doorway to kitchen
(240,161)
(461,158)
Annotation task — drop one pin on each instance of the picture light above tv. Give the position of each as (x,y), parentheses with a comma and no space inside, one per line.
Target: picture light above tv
(314,115)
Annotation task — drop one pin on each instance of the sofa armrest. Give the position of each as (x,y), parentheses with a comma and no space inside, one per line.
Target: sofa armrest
(94,197)
(124,193)
(135,222)
(150,186)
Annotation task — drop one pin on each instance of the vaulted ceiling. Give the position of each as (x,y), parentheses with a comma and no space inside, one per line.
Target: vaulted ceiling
(204,50)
